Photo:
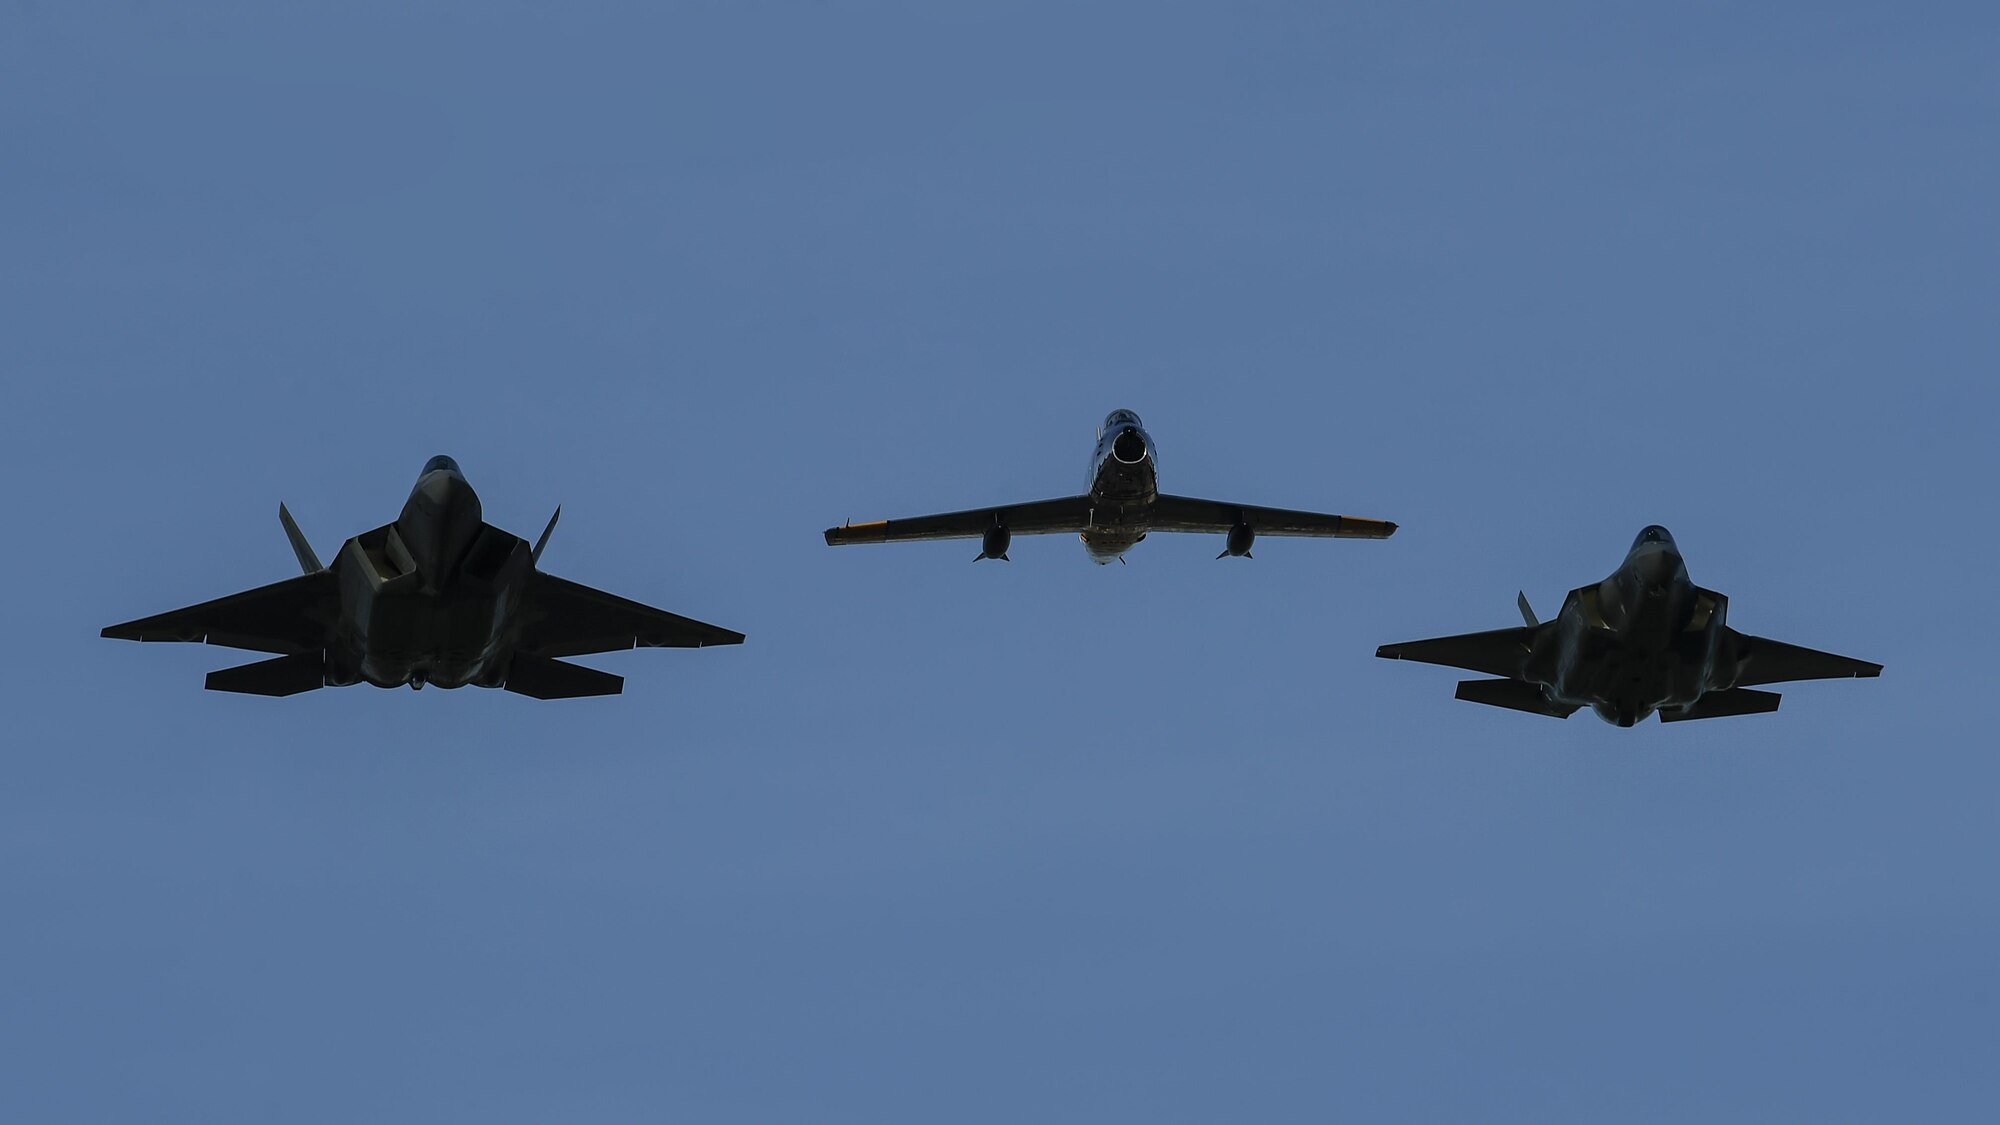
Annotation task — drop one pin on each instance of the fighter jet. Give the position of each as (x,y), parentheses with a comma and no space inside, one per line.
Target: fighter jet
(1123,503)
(437,597)
(1645,639)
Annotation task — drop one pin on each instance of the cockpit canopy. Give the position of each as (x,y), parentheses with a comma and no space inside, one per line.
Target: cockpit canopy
(1120,418)
(439,462)
(1653,534)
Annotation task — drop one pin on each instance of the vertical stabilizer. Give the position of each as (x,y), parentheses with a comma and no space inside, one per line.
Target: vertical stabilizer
(536,557)
(308,561)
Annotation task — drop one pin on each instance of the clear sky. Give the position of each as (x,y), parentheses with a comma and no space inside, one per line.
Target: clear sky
(1000,843)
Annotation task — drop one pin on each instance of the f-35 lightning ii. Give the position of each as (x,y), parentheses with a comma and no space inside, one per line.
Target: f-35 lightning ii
(1123,503)
(438,597)
(1645,639)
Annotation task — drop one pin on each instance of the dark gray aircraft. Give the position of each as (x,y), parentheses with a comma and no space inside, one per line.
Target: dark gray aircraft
(1123,503)
(438,597)
(1645,639)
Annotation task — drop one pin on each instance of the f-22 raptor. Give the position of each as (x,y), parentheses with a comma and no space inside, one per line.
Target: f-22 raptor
(1645,639)
(437,597)
(1123,505)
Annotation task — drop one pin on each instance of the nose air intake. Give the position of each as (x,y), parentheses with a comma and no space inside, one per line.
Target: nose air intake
(1129,447)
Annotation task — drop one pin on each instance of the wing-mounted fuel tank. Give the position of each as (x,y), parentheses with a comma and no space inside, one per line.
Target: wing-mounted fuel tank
(1238,545)
(994,543)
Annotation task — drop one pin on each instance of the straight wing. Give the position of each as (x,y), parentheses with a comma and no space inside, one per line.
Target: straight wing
(1765,661)
(565,618)
(1185,513)
(1500,652)
(1040,517)
(292,616)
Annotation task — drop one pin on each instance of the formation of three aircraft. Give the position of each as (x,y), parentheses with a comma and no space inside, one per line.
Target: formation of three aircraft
(442,597)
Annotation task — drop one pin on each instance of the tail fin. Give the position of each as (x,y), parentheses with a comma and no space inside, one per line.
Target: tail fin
(536,557)
(1515,695)
(308,561)
(1527,612)
(539,677)
(1718,704)
(286,675)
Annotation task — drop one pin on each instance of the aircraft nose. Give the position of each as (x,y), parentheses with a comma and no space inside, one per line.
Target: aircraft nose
(1129,446)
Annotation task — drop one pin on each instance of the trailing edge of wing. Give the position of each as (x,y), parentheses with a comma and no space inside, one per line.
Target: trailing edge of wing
(1185,513)
(1039,517)
(1500,652)
(1765,661)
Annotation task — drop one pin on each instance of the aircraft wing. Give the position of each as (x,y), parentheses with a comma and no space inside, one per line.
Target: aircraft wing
(1185,513)
(565,618)
(1040,517)
(1500,652)
(1765,661)
(292,616)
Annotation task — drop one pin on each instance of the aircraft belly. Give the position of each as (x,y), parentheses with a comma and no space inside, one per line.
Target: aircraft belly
(448,641)
(1107,543)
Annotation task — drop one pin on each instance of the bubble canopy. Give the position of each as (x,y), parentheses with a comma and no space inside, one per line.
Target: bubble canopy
(1653,534)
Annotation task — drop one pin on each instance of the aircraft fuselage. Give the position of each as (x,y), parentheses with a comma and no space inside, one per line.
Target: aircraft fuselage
(1123,484)
(1644,638)
(430,598)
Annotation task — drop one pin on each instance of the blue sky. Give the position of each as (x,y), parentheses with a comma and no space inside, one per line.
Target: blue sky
(1046,841)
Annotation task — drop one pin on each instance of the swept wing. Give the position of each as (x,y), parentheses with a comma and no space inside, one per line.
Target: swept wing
(1186,513)
(564,618)
(292,616)
(1765,661)
(1038,517)
(1497,652)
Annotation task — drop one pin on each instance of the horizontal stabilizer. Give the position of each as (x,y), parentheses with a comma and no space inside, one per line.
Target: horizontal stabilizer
(1515,695)
(1721,704)
(286,675)
(539,677)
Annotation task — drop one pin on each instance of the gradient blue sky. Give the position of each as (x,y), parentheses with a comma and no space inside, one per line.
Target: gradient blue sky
(1042,842)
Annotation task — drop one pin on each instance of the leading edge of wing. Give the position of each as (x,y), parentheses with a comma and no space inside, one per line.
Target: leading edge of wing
(1498,652)
(1765,661)
(291,616)
(1188,513)
(571,619)
(1038,517)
